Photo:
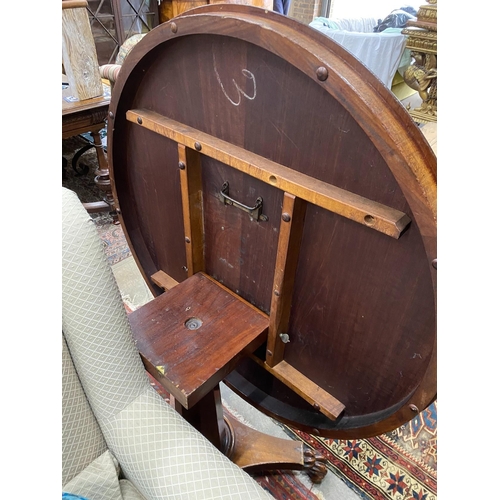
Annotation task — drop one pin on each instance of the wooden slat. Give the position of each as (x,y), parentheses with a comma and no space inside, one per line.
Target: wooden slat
(304,387)
(345,203)
(192,208)
(163,280)
(292,223)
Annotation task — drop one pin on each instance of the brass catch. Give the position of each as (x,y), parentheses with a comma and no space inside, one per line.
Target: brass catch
(254,212)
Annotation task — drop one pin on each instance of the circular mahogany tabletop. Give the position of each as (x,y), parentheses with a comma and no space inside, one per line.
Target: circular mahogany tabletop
(362,322)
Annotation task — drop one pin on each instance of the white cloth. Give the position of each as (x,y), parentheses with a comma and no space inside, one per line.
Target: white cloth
(380,52)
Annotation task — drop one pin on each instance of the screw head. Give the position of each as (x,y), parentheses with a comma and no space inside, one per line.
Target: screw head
(435,264)
(269,352)
(316,406)
(322,73)
(286,217)
(111,115)
(173,28)
(285,338)
(277,293)
(139,120)
(182,165)
(187,240)
(193,323)
(197,146)
(413,408)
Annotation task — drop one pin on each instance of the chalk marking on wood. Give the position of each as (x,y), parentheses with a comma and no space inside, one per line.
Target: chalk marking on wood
(246,74)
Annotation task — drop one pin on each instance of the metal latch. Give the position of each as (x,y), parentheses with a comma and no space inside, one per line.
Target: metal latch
(255,212)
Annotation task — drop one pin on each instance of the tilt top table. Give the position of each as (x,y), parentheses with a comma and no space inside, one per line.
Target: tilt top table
(255,161)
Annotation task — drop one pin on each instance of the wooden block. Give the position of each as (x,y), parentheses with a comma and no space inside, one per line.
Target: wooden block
(192,336)
(79,53)
(73,4)
(180,6)
(263,4)
(163,280)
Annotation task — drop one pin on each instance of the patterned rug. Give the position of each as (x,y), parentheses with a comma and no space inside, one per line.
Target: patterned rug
(400,465)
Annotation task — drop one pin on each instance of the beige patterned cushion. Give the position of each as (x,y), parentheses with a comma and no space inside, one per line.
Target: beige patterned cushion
(191,467)
(158,451)
(98,481)
(82,439)
(129,491)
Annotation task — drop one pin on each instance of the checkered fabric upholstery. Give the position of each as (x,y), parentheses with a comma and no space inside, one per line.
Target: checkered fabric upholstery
(158,451)
(82,439)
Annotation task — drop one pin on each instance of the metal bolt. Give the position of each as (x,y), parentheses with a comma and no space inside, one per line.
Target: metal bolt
(197,146)
(322,73)
(139,120)
(111,114)
(435,264)
(182,165)
(285,338)
(269,352)
(414,408)
(276,293)
(193,323)
(286,217)
(184,268)
(187,240)
(316,406)
(173,28)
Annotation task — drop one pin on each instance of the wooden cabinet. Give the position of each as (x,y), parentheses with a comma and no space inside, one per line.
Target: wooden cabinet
(113,21)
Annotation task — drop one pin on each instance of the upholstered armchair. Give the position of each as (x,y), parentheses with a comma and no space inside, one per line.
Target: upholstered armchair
(110,71)
(120,439)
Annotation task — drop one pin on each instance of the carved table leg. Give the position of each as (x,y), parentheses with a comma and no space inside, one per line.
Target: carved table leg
(315,465)
(248,448)
(255,451)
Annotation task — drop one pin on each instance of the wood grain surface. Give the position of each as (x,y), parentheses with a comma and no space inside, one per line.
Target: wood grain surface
(79,54)
(194,334)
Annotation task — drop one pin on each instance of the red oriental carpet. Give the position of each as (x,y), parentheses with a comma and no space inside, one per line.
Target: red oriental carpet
(399,465)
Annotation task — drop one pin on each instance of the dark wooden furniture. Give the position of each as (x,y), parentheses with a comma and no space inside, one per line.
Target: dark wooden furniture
(89,115)
(114,21)
(249,148)
(167,9)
